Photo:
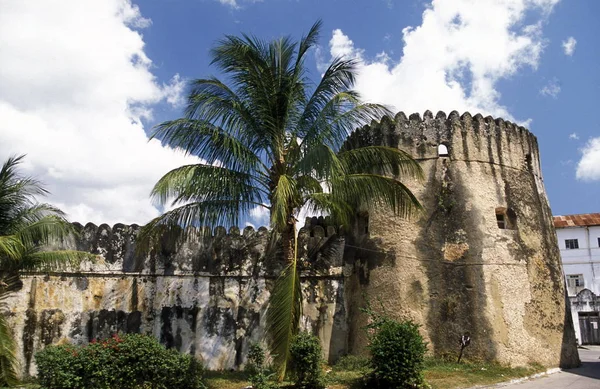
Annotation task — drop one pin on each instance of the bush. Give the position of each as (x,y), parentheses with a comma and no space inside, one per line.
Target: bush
(306,357)
(397,355)
(259,374)
(131,362)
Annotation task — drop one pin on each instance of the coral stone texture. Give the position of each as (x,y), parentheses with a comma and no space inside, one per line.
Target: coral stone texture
(206,297)
(482,259)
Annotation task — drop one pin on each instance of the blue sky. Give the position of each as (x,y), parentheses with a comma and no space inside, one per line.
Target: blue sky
(82,83)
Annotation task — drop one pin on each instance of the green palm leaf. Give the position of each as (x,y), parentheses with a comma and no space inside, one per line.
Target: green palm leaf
(283,315)
(8,358)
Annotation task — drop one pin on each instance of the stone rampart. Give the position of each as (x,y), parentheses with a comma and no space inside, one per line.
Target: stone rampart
(206,297)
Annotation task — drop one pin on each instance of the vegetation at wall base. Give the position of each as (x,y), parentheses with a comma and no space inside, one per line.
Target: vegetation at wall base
(131,362)
(350,373)
(439,374)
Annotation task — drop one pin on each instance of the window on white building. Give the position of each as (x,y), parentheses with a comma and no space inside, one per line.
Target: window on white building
(598,242)
(571,244)
(575,283)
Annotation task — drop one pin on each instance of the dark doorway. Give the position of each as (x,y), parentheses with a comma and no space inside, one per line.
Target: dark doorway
(589,325)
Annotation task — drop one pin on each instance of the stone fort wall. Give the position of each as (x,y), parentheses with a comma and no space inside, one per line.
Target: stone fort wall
(452,269)
(208,297)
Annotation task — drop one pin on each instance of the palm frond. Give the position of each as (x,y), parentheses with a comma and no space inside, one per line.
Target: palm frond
(307,42)
(320,161)
(205,182)
(341,212)
(53,260)
(173,225)
(209,142)
(372,190)
(339,117)
(284,197)
(46,230)
(9,365)
(380,160)
(283,315)
(11,249)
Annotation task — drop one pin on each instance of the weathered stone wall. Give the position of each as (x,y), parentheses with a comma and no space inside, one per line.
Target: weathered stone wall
(207,298)
(452,269)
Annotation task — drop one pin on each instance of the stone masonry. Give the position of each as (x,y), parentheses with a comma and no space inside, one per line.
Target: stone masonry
(481,259)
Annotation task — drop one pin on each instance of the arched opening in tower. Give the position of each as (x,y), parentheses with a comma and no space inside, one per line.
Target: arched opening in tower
(442,150)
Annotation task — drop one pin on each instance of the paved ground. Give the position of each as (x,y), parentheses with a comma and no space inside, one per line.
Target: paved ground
(585,377)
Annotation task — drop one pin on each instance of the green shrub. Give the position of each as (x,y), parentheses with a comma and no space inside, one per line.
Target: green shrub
(306,357)
(260,376)
(131,362)
(397,355)
(60,367)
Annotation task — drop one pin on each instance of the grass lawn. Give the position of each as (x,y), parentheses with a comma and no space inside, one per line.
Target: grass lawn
(347,375)
(439,374)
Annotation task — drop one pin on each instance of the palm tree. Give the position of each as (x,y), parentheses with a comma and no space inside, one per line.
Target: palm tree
(27,228)
(269,138)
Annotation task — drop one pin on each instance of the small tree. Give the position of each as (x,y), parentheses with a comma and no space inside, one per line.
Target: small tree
(307,357)
(259,376)
(397,352)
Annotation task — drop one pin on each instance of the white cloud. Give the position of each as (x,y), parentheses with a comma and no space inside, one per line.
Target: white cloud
(259,216)
(231,3)
(173,91)
(455,58)
(76,83)
(574,136)
(569,46)
(235,4)
(552,89)
(588,168)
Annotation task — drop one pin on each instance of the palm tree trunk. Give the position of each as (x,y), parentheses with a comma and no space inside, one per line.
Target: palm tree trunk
(288,241)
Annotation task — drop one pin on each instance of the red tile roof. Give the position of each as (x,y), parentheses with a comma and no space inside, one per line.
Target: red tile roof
(585,219)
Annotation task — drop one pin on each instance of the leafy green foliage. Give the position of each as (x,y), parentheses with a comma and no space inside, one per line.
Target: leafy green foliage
(397,355)
(284,322)
(27,228)
(259,374)
(132,362)
(307,358)
(8,358)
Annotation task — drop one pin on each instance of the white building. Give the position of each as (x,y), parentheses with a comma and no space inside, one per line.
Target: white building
(579,243)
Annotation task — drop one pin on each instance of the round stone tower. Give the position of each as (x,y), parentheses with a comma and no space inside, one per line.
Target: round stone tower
(482,258)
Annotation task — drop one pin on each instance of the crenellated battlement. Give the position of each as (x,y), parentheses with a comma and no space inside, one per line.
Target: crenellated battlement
(467,138)
(218,251)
